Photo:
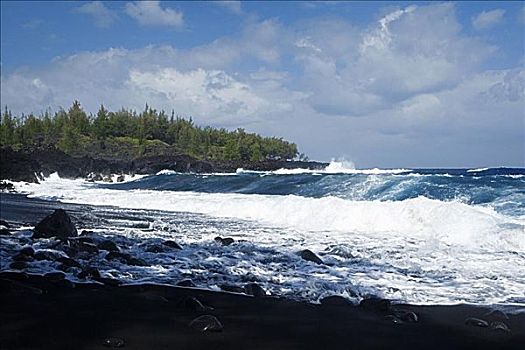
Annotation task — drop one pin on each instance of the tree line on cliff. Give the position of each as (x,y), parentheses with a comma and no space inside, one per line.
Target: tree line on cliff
(74,131)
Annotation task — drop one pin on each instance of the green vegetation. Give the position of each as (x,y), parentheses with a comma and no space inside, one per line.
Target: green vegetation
(126,134)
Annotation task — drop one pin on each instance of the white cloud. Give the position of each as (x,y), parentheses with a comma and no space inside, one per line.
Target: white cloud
(150,13)
(131,78)
(233,6)
(102,16)
(487,19)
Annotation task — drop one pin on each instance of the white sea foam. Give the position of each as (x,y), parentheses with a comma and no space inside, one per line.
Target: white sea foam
(166,172)
(478,170)
(417,250)
(334,167)
(450,222)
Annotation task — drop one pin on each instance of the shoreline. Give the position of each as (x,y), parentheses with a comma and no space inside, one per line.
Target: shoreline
(47,311)
(27,163)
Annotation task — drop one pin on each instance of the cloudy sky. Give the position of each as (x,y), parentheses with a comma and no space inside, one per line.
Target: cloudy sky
(387,84)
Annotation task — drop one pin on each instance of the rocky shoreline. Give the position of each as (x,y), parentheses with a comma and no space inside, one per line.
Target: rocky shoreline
(28,163)
(92,311)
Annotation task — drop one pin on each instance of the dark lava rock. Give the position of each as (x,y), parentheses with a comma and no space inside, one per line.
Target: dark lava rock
(64,268)
(87,232)
(172,244)
(335,300)
(87,247)
(155,248)
(116,255)
(108,281)
(476,322)
(82,239)
(58,225)
(255,290)
(18,265)
(500,327)
(54,276)
(195,304)
(406,316)
(393,319)
(22,257)
(496,315)
(27,251)
(137,262)
(308,255)
(96,177)
(231,288)
(375,303)
(109,246)
(65,284)
(6,186)
(186,283)
(14,276)
(125,258)
(89,272)
(4,223)
(206,323)
(114,343)
(46,255)
(69,262)
(4,232)
(224,241)
(120,178)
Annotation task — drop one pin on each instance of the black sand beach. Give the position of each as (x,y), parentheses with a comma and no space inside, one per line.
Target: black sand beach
(48,313)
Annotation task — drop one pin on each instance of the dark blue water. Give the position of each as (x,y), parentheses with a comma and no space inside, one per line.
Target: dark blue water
(502,188)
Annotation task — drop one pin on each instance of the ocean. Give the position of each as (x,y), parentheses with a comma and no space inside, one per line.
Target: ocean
(420,236)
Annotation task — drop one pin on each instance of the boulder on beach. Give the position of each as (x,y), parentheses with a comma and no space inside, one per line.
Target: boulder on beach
(18,265)
(375,304)
(57,225)
(22,257)
(125,258)
(114,343)
(69,262)
(89,272)
(186,283)
(335,300)
(4,228)
(406,315)
(27,251)
(224,241)
(496,315)
(476,322)
(172,244)
(109,246)
(120,178)
(54,276)
(231,288)
(206,323)
(308,255)
(255,290)
(50,255)
(195,304)
(499,326)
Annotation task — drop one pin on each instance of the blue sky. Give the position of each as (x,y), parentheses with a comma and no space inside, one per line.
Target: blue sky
(388,84)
